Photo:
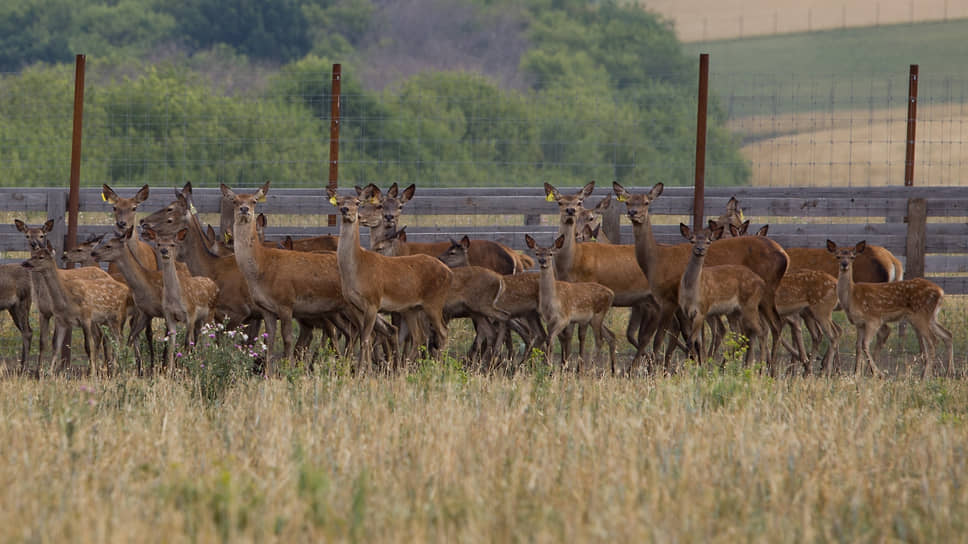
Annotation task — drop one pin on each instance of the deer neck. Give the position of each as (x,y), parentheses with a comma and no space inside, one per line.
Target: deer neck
(845,287)
(53,287)
(547,292)
(348,255)
(646,249)
(198,258)
(689,285)
(567,255)
(135,275)
(172,295)
(249,252)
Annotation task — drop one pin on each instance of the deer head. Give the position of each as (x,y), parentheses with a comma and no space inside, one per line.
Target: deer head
(244,204)
(637,206)
(569,206)
(845,255)
(124,208)
(36,236)
(544,255)
(701,240)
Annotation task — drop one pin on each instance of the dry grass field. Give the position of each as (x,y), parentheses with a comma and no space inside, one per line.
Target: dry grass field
(442,456)
(855,147)
(701,20)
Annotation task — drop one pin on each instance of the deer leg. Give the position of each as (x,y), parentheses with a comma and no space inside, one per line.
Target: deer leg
(45,338)
(883,333)
(21,319)
(90,347)
(946,338)
(60,334)
(801,350)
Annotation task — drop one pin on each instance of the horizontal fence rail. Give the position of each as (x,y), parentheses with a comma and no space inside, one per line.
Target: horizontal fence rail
(803,217)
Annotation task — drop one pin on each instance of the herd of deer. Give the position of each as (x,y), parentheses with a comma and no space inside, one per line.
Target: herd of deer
(187,276)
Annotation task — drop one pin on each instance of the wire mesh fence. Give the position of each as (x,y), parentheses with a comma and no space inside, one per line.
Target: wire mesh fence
(767,130)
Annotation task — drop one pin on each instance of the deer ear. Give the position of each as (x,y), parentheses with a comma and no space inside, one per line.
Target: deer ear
(141,195)
(732,204)
(717,232)
(604,203)
(684,231)
(733,231)
(620,193)
(656,190)
(763,230)
(587,190)
(287,243)
(402,234)
(831,247)
(48,225)
(147,232)
(465,242)
(108,195)
(226,192)
(21,226)
(529,240)
(551,194)
(393,190)
(408,193)
(861,246)
(711,223)
(181,234)
(560,241)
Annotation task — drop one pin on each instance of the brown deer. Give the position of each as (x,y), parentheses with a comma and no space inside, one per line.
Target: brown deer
(707,291)
(374,282)
(37,239)
(812,296)
(611,265)
(382,212)
(517,299)
(84,303)
(15,297)
(283,284)
(124,210)
(564,303)
(664,265)
(870,305)
(185,298)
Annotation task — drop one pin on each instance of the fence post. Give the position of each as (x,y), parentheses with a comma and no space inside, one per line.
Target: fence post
(917,219)
(699,189)
(334,134)
(912,124)
(611,223)
(74,198)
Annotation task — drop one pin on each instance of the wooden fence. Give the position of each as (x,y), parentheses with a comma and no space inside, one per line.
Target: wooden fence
(927,227)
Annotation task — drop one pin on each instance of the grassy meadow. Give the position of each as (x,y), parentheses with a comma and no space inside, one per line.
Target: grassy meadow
(440,455)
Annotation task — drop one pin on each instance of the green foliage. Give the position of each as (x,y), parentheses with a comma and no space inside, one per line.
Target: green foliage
(609,94)
(220,360)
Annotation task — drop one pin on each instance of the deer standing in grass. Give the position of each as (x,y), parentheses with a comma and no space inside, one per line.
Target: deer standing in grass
(664,265)
(870,305)
(611,265)
(812,296)
(562,304)
(372,282)
(517,298)
(709,291)
(77,302)
(283,284)
(37,239)
(185,298)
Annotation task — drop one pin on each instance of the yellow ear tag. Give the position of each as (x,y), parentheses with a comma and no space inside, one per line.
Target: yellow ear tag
(193,210)
(332,200)
(741,218)
(621,198)
(550,197)
(103,197)
(374,200)
(261,198)
(227,237)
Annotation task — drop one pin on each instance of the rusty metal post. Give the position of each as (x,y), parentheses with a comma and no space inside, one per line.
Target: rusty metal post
(698,202)
(73,201)
(334,134)
(912,122)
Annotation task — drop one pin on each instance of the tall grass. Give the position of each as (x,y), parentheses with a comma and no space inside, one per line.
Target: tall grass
(442,455)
